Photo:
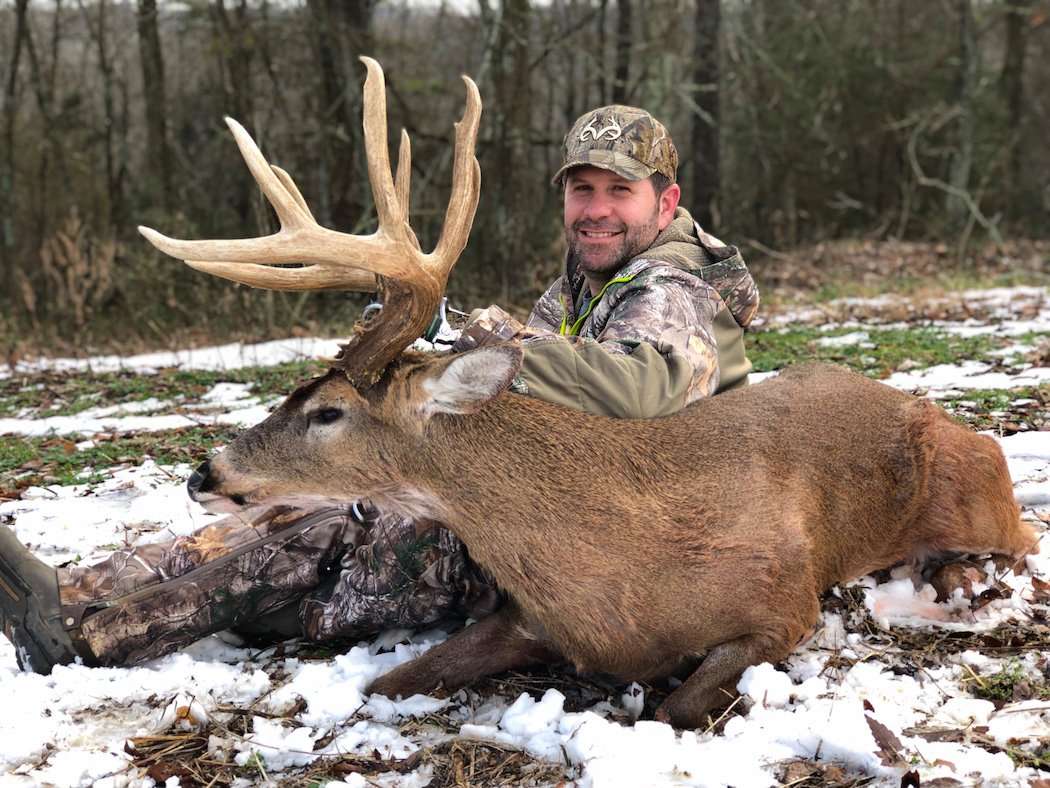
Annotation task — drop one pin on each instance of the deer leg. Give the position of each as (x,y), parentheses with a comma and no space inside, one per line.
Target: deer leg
(721,668)
(499,642)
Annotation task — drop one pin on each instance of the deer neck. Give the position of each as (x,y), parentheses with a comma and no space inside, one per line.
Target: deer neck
(485,473)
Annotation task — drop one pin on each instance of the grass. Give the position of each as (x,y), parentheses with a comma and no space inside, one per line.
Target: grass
(776,349)
(1011,683)
(51,394)
(947,282)
(28,461)
(1005,410)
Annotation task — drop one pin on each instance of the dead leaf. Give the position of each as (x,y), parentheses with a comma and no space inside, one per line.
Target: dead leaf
(834,775)
(910,780)
(889,744)
(796,771)
(1040,590)
(937,734)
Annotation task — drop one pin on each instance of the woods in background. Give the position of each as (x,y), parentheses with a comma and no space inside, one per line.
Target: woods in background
(796,120)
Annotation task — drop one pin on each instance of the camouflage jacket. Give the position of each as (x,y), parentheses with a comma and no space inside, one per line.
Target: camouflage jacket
(665,331)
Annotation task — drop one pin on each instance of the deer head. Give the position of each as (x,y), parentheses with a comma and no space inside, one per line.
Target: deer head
(332,441)
(410,282)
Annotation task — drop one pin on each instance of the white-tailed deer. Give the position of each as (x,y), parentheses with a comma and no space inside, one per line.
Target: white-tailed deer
(629,547)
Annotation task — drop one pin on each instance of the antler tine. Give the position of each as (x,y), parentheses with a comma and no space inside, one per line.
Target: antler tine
(403,179)
(310,277)
(292,189)
(377,152)
(287,204)
(466,185)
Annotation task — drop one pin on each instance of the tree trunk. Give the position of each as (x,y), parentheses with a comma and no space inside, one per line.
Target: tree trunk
(966,83)
(236,52)
(8,175)
(158,152)
(46,211)
(114,202)
(703,157)
(341,31)
(601,82)
(516,178)
(235,49)
(1012,79)
(623,52)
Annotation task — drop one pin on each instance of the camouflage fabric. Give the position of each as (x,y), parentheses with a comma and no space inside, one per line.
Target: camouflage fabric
(626,140)
(338,575)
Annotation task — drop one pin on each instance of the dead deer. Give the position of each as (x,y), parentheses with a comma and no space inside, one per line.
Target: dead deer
(628,547)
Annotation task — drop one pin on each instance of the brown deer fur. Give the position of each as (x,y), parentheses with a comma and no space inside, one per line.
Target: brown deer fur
(632,547)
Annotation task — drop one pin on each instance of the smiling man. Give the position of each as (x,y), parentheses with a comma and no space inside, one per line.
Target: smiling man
(647,317)
(650,312)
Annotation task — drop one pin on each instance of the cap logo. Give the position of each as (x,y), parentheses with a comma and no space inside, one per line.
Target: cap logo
(612,131)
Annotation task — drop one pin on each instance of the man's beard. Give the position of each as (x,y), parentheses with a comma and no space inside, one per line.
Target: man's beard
(609,258)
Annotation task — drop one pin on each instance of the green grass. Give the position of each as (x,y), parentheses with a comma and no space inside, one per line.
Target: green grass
(67,394)
(955,280)
(1010,683)
(26,461)
(1002,409)
(776,349)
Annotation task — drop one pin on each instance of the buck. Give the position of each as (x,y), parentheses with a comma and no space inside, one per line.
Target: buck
(628,547)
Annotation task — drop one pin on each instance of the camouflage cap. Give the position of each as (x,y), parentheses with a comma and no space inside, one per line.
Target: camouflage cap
(625,140)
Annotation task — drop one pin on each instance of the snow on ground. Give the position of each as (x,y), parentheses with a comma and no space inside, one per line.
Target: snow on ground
(222,357)
(840,700)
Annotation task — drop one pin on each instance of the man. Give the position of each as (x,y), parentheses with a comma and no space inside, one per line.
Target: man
(647,318)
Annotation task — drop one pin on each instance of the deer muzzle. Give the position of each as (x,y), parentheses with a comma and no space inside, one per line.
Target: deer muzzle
(203,487)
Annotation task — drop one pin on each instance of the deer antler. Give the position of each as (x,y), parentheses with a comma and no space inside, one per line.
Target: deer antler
(390,260)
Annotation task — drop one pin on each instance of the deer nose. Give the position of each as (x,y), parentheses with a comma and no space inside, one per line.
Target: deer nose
(199,481)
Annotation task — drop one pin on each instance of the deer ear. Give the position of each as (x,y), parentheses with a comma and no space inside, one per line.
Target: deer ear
(466,381)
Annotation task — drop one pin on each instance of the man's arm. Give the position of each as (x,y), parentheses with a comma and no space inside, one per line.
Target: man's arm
(548,311)
(655,354)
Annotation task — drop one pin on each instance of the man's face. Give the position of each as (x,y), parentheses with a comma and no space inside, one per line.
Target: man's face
(609,219)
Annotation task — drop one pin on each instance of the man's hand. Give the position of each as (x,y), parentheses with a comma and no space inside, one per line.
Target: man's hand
(490,326)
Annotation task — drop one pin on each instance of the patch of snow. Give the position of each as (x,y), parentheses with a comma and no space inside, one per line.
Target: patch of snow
(967,375)
(247,416)
(846,340)
(235,355)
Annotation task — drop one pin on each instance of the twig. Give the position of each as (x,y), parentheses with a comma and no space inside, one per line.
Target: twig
(766,250)
(924,180)
(722,716)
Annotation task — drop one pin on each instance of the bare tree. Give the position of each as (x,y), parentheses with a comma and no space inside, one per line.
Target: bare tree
(624,38)
(151,57)
(965,86)
(1012,83)
(511,164)
(8,173)
(341,32)
(601,78)
(703,155)
(98,24)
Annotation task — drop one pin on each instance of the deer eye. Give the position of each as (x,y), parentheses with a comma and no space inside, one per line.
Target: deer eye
(326,415)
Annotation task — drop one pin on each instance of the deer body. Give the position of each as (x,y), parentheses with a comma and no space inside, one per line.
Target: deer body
(633,547)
